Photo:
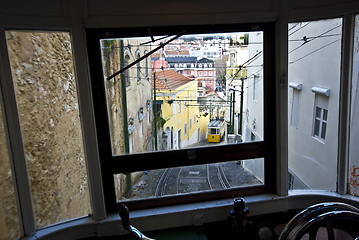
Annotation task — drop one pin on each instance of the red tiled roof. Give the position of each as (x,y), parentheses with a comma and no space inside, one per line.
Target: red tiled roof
(169,79)
(171,52)
(184,52)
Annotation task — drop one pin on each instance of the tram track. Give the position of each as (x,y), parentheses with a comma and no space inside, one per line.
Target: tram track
(168,183)
(216,177)
(170,179)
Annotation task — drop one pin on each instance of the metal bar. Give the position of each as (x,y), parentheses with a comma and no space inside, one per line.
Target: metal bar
(86,109)
(344,102)
(281,101)
(144,56)
(15,143)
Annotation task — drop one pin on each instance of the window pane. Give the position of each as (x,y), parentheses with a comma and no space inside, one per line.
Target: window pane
(325,114)
(46,95)
(354,127)
(231,94)
(316,127)
(189,179)
(9,221)
(318,112)
(312,47)
(324,129)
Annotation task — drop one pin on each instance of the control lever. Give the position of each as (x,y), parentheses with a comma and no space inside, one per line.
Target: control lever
(125,218)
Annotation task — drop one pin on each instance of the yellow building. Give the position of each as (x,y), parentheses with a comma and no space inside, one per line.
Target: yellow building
(178,97)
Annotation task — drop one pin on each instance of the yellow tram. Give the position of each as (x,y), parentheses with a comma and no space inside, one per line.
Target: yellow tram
(216,130)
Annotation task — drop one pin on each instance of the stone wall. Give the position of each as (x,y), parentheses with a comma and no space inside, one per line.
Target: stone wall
(42,69)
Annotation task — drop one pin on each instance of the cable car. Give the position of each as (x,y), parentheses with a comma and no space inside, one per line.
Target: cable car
(216,130)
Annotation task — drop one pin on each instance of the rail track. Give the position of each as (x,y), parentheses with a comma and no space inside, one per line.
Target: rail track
(216,177)
(213,176)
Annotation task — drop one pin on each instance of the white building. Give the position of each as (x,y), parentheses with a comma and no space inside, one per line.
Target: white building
(314,87)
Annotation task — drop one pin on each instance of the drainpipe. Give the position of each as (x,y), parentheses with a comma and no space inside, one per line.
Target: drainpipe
(124,105)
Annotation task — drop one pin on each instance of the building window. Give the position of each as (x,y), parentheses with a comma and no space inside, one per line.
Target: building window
(190,123)
(185,103)
(185,129)
(146,66)
(233,59)
(127,72)
(294,103)
(255,86)
(138,66)
(179,107)
(205,73)
(320,122)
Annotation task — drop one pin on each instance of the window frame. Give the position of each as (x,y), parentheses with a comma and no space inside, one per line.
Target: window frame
(321,121)
(111,164)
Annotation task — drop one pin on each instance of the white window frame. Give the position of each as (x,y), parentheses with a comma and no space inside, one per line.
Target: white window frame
(321,119)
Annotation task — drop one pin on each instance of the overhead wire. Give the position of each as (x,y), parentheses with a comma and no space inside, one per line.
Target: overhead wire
(314,51)
(307,40)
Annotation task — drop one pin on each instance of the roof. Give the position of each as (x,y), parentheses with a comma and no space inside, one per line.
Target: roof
(170,80)
(181,59)
(205,60)
(216,123)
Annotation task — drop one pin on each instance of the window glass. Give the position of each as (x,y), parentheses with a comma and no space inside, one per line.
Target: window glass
(9,221)
(168,141)
(354,121)
(313,112)
(46,95)
(191,179)
(169,90)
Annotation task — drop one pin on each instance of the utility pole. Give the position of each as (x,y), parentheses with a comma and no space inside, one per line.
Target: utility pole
(241,108)
(233,106)
(155,109)
(230,114)
(125,122)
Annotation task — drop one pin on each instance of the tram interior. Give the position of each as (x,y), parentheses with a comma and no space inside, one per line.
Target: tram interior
(260,211)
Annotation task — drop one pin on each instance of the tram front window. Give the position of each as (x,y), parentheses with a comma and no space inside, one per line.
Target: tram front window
(178,99)
(193,107)
(213,131)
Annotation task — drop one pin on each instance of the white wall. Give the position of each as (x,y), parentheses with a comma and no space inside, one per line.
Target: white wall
(316,63)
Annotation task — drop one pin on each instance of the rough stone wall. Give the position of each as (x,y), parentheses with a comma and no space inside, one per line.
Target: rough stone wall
(111,64)
(42,69)
(9,221)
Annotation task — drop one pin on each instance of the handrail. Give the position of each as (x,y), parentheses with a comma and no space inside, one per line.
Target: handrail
(125,218)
